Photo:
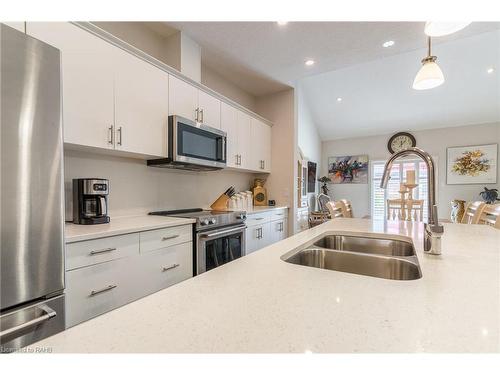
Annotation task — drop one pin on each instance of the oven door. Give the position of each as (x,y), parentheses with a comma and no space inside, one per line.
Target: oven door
(218,247)
(197,144)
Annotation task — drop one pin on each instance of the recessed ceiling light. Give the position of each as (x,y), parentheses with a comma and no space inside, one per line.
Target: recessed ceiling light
(309,62)
(339,99)
(389,43)
(282,23)
(490,70)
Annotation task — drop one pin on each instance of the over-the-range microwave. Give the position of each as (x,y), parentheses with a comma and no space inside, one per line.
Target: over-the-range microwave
(192,146)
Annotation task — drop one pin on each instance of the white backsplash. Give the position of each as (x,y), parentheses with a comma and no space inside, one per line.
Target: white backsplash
(137,189)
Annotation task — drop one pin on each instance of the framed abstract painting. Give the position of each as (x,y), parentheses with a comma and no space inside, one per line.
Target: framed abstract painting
(348,169)
(471,164)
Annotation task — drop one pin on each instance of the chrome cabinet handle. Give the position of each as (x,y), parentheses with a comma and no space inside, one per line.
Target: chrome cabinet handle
(259,218)
(263,164)
(240,159)
(110,135)
(259,233)
(102,251)
(201,112)
(236,156)
(170,237)
(120,132)
(106,289)
(197,115)
(168,268)
(48,313)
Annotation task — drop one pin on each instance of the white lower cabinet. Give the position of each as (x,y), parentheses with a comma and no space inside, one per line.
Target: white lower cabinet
(125,274)
(265,229)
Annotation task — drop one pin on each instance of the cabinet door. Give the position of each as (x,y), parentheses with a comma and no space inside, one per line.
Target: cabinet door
(245,141)
(182,99)
(210,109)
(278,230)
(266,147)
(261,148)
(141,106)
(228,122)
(257,237)
(87,76)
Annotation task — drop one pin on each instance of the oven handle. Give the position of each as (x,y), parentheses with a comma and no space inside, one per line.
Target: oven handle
(224,232)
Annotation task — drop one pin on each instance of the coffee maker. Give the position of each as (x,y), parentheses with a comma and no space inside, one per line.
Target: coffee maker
(90,201)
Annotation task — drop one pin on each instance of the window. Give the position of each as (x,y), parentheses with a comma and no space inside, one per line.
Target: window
(379,196)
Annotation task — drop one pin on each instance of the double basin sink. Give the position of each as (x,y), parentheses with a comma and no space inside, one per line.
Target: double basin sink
(370,256)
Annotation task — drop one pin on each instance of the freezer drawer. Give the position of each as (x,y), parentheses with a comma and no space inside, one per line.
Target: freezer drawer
(26,325)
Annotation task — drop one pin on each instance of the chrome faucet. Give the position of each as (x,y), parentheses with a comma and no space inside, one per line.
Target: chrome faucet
(432,230)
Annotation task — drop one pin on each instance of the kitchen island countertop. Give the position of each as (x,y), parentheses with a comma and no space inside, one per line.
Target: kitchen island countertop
(259,303)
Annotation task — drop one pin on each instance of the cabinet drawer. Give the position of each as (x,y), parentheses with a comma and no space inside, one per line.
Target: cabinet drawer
(96,289)
(161,238)
(258,218)
(86,253)
(279,214)
(165,267)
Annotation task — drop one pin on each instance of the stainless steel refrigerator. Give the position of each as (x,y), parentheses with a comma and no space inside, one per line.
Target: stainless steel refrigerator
(32,221)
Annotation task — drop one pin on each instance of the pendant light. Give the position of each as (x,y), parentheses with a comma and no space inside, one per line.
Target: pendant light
(443,28)
(430,74)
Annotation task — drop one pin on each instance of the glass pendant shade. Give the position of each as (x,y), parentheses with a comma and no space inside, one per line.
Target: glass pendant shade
(429,76)
(444,28)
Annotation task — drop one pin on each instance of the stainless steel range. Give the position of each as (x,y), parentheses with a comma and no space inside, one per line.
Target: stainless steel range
(219,236)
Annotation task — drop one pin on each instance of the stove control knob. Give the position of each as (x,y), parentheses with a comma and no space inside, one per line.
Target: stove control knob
(241,216)
(212,221)
(204,222)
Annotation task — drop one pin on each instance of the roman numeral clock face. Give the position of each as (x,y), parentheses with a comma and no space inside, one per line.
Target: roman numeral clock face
(400,142)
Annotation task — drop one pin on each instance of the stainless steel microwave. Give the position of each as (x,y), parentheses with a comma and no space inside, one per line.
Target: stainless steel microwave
(193,146)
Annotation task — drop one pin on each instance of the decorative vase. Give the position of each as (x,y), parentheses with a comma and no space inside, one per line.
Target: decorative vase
(457,210)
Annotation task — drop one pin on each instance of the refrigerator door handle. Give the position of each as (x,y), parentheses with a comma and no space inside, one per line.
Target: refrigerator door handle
(48,313)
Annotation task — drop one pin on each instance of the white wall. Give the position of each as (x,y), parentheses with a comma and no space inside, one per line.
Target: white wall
(308,139)
(282,182)
(433,141)
(137,189)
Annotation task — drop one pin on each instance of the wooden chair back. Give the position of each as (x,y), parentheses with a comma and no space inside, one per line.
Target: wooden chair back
(335,209)
(346,207)
(415,210)
(472,212)
(490,215)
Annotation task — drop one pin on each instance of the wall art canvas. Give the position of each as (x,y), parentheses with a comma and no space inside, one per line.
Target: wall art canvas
(472,164)
(348,169)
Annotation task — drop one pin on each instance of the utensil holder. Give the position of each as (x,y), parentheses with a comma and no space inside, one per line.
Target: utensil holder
(221,203)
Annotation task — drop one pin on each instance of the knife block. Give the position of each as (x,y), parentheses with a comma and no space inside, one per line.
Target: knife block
(221,204)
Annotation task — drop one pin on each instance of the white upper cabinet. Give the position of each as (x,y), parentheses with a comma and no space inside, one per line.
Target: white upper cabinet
(245,141)
(87,76)
(141,106)
(228,122)
(209,109)
(261,152)
(182,99)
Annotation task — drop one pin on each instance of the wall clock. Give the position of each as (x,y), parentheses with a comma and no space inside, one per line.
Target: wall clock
(401,141)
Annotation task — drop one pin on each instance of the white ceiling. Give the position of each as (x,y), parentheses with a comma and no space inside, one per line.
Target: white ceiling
(378,97)
(263,57)
(375,82)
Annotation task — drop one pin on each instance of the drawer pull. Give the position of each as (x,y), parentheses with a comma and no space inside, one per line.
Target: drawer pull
(168,268)
(170,237)
(102,251)
(107,289)
(259,218)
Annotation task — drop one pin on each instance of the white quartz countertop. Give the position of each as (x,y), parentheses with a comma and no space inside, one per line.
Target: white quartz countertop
(260,303)
(121,225)
(259,209)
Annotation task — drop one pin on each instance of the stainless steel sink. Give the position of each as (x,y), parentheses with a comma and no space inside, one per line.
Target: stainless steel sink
(377,257)
(381,246)
(358,263)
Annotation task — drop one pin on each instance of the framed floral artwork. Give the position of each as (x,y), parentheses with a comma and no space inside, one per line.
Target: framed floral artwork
(472,164)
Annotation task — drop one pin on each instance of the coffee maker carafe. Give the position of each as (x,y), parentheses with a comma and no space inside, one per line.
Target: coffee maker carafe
(90,201)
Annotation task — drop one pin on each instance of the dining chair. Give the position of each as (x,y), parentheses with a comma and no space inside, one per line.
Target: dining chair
(394,209)
(346,207)
(490,215)
(335,209)
(472,212)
